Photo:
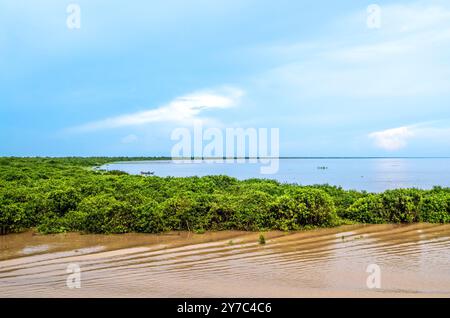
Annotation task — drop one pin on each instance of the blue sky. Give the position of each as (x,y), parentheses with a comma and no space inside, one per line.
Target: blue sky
(136,70)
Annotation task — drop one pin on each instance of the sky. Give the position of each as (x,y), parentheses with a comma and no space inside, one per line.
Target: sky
(335,77)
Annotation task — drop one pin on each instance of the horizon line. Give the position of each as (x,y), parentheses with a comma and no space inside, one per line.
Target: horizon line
(259,157)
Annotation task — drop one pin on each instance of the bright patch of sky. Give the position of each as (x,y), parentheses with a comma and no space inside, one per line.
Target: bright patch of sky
(136,70)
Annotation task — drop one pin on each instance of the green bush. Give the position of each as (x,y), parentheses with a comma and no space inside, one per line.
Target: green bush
(435,208)
(402,205)
(223,209)
(64,194)
(343,199)
(262,239)
(75,221)
(148,218)
(392,206)
(51,224)
(187,211)
(369,209)
(63,200)
(251,211)
(13,217)
(304,207)
(104,214)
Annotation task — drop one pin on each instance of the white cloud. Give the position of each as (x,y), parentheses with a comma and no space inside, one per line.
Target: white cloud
(437,132)
(407,56)
(392,139)
(182,109)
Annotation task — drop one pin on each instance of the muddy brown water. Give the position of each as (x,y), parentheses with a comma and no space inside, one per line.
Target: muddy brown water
(414,261)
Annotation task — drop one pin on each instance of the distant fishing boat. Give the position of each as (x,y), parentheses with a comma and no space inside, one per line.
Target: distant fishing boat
(147,173)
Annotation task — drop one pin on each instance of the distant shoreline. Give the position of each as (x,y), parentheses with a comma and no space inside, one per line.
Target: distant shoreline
(156,158)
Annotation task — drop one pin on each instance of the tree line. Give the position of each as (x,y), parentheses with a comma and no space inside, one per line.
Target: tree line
(65,194)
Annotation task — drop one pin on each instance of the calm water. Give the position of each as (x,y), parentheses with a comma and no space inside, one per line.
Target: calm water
(373,175)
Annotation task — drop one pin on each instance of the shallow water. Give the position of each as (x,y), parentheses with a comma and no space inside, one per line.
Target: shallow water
(374,175)
(414,262)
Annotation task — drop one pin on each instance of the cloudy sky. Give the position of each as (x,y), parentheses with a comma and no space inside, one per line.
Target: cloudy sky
(320,71)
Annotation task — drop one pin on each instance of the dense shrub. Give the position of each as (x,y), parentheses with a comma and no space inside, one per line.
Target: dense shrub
(369,209)
(402,205)
(343,199)
(435,208)
(63,200)
(252,211)
(13,217)
(149,218)
(183,212)
(104,214)
(302,207)
(223,208)
(64,194)
(51,223)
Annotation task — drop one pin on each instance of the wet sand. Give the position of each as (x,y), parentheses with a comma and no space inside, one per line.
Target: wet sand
(414,262)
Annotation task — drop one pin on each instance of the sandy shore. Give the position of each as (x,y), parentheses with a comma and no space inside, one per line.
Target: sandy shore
(414,261)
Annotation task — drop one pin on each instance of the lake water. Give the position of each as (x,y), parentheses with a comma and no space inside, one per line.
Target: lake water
(374,175)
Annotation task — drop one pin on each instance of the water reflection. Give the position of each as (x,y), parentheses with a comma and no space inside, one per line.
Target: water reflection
(393,172)
(373,175)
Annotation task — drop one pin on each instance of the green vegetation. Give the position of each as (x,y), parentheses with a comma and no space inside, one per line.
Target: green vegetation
(66,194)
(262,239)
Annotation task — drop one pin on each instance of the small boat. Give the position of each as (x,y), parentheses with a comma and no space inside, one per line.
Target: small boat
(147,173)
(322,168)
